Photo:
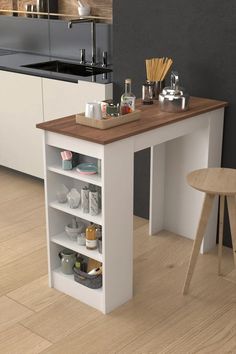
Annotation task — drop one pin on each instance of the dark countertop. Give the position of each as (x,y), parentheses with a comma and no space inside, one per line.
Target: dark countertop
(151,118)
(12,61)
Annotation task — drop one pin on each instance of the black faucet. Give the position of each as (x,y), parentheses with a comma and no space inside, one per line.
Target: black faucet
(93,35)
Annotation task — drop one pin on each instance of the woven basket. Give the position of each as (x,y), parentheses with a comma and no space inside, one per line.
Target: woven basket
(91,281)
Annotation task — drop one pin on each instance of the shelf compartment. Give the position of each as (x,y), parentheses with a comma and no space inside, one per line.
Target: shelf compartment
(93,179)
(67,284)
(97,219)
(63,240)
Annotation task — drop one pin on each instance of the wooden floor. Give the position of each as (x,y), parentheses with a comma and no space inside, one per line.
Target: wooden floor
(36,319)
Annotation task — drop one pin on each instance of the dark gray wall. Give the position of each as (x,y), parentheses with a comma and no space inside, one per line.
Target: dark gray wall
(201,38)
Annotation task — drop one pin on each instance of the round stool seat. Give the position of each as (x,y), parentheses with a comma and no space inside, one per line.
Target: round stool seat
(221,181)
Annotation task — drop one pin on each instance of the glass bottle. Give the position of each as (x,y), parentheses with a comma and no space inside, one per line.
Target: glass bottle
(127,99)
(91,238)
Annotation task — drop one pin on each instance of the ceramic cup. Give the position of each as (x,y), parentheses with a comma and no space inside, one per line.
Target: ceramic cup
(93,110)
(84,10)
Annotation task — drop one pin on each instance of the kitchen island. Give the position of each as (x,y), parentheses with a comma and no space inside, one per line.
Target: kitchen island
(180,143)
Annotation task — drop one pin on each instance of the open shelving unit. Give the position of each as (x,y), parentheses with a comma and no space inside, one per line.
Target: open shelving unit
(115,217)
(59,215)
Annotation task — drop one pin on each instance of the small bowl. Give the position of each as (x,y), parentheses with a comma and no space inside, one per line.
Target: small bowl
(72,232)
(84,10)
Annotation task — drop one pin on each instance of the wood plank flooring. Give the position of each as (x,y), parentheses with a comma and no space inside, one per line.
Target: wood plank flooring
(159,319)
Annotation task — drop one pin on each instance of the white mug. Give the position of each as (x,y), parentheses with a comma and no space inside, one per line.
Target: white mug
(93,110)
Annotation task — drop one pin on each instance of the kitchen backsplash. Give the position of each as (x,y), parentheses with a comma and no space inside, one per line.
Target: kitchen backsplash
(53,37)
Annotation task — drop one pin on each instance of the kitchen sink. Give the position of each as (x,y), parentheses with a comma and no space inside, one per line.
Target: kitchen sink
(62,67)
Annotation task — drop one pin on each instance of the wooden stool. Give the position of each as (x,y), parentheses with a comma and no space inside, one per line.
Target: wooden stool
(214,182)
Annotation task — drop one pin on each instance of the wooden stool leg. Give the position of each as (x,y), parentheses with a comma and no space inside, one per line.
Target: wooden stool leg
(231,201)
(206,209)
(221,228)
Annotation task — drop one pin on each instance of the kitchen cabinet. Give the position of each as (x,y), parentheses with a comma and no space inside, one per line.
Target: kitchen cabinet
(27,100)
(21,110)
(62,98)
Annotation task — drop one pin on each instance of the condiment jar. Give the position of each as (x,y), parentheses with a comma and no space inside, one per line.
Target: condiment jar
(91,238)
(174,98)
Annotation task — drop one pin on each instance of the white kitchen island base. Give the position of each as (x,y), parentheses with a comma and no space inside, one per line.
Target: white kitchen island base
(182,143)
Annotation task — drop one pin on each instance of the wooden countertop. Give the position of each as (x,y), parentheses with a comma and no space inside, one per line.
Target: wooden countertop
(151,118)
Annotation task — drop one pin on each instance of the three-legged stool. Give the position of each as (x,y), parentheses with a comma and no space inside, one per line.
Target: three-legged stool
(214,182)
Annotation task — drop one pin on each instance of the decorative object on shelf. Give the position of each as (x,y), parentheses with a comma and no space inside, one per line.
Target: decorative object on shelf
(66,155)
(68,259)
(147,93)
(87,168)
(109,122)
(104,105)
(28,8)
(80,263)
(99,237)
(127,103)
(66,160)
(99,167)
(62,194)
(100,245)
(174,98)
(42,6)
(91,239)
(93,203)
(93,110)
(112,110)
(91,281)
(83,8)
(81,239)
(74,229)
(156,70)
(95,271)
(85,199)
(73,198)
(75,159)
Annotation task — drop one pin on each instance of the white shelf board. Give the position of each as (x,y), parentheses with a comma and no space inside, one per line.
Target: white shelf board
(63,240)
(97,219)
(67,284)
(93,179)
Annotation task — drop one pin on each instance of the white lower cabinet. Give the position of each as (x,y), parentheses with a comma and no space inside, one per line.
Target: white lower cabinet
(65,98)
(27,100)
(21,109)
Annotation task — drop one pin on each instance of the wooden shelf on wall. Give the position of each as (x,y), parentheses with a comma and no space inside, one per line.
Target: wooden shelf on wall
(60,16)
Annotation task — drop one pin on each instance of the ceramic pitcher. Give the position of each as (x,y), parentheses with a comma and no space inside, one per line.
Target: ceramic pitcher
(68,259)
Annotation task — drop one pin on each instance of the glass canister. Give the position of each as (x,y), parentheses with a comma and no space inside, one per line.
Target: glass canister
(157,87)
(147,93)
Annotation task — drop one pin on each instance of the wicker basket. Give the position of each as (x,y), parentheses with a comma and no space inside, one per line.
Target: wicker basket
(91,281)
